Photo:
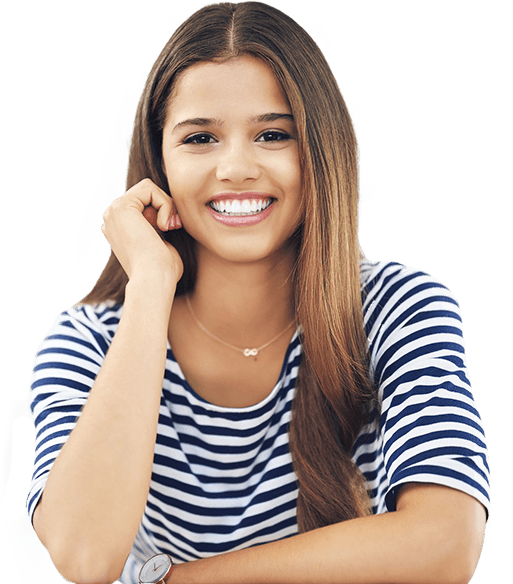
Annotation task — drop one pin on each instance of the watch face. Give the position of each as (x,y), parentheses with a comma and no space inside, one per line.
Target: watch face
(155,569)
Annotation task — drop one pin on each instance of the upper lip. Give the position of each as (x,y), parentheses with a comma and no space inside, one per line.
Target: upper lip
(239,196)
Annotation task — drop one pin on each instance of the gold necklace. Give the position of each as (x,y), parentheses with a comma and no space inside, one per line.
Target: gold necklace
(246,352)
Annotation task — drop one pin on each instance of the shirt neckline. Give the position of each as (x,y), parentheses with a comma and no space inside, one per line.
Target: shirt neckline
(202,401)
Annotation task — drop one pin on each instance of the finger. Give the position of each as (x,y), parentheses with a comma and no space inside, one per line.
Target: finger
(150,214)
(173,221)
(146,195)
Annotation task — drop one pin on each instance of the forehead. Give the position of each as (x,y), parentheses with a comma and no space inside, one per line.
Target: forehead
(243,84)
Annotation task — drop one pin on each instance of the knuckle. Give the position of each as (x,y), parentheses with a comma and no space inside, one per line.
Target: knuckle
(117,203)
(107,214)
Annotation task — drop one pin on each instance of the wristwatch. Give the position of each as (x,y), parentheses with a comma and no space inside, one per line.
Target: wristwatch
(156,570)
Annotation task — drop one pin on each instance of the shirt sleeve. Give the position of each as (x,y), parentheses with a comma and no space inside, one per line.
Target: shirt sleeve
(65,369)
(429,426)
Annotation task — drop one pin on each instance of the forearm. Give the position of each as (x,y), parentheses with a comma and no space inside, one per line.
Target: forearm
(429,544)
(361,551)
(96,491)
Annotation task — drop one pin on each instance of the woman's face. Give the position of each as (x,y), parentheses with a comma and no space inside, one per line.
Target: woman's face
(231,159)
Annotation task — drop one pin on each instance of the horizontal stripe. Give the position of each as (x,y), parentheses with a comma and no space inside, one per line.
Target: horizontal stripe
(223,478)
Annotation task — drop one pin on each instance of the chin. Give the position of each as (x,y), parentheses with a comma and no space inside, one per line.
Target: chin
(245,252)
(247,256)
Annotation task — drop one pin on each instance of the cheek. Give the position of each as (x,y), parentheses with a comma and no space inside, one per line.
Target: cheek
(295,189)
(287,168)
(183,181)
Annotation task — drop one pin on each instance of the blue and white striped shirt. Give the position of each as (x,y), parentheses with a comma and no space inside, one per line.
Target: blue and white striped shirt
(223,478)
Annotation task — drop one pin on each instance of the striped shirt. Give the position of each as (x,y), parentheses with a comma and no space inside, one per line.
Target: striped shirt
(223,478)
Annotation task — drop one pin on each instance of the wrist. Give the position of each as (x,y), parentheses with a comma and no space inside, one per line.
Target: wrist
(156,570)
(152,280)
(156,268)
(151,294)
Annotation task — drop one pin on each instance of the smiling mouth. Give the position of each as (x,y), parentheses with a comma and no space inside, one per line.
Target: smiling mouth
(237,208)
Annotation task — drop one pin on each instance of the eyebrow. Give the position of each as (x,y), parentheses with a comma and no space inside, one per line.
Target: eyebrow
(271,118)
(263,118)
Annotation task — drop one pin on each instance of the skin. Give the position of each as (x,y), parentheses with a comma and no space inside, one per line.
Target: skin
(88,517)
(235,153)
(239,268)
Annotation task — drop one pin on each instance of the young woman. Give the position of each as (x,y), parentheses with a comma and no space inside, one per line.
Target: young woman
(242,390)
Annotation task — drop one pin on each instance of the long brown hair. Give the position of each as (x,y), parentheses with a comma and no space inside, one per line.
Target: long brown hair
(333,388)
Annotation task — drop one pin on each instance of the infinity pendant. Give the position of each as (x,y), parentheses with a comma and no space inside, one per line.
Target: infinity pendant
(250,352)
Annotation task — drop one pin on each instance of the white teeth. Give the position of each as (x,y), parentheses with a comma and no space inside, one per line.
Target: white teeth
(236,207)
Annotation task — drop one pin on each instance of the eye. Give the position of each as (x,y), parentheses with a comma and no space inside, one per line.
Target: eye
(199,139)
(273,136)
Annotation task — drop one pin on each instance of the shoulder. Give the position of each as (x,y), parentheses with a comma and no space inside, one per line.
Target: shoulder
(88,325)
(390,278)
(407,312)
(72,353)
(392,293)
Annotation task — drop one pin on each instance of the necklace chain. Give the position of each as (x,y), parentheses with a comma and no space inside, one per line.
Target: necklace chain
(246,352)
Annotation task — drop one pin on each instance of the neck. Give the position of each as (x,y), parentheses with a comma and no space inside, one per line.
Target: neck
(244,303)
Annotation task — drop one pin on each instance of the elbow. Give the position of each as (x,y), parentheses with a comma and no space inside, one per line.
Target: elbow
(76,560)
(455,574)
(460,567)
(457,559)
(446,531)
(85,566)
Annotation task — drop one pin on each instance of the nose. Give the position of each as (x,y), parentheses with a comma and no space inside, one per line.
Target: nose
(237,163)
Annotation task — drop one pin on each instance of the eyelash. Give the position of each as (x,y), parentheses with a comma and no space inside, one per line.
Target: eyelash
(193,139)
(277,136)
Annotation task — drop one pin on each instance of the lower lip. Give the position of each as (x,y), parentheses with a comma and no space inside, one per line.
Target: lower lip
(241,220)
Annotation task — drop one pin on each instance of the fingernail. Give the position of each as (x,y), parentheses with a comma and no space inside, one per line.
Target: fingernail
(178,222)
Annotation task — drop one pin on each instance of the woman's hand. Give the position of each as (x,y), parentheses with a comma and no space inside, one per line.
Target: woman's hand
(133,225)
